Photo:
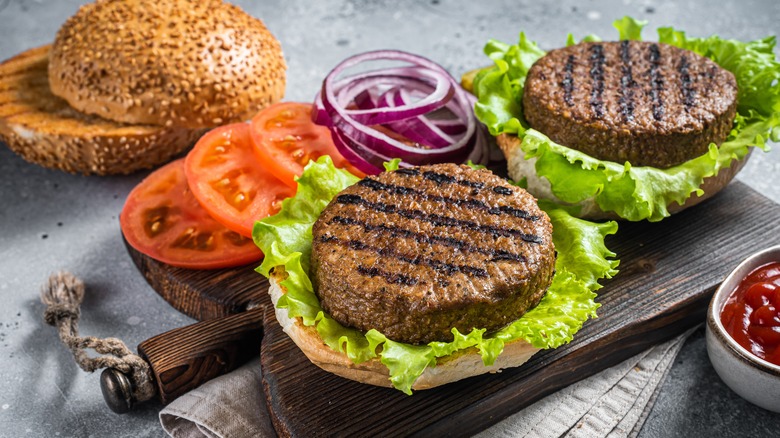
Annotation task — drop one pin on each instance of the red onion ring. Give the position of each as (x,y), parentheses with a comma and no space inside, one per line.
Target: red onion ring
(417,129)
(378,115)
(407,76)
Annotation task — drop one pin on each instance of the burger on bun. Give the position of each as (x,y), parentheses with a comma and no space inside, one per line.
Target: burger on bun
(421,276)
(629,129)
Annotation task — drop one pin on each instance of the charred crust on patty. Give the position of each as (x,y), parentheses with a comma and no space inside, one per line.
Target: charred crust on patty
(647,103)
(417,252)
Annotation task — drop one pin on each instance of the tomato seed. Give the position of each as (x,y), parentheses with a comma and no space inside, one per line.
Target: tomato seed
(235,238)
(154,220)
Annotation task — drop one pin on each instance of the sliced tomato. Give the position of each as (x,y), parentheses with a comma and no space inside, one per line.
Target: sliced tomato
(286,139)
(163,220)
(230,183)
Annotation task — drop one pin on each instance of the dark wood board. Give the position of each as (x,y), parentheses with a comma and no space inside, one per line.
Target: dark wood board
(204,294)
(668,273)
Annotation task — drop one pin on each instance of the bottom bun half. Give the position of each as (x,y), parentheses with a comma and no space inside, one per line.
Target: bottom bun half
(519,167)
(458,366)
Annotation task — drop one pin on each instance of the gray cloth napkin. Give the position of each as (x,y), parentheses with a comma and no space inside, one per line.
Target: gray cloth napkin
(229,406)
(613,403)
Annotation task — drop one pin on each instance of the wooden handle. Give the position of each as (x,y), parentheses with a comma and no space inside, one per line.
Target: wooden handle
(184,358)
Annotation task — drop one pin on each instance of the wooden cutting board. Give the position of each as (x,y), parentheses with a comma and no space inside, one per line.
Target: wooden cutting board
(668,271)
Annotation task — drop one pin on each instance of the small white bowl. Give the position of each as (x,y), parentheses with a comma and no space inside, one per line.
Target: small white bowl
(754,379)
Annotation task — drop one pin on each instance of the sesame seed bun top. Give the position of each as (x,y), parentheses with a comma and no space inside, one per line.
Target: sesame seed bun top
(183,63)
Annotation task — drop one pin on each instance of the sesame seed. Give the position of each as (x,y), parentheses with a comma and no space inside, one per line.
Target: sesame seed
(134,60)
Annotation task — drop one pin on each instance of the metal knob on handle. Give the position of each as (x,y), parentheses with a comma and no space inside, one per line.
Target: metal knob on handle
(117,390)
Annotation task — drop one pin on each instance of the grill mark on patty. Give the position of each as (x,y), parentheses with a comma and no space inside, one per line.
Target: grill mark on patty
(627,83)
(388,276)
(438,265)
(438,220)
(501,190)
(408,171)
(568,81)
(656,82)
(441,178)
(713,70)
(597,77)
(472,203)
(689,93)
(393,231)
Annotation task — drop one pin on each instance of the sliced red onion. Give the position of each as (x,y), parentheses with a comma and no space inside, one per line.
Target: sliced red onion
(346,150)
(450,127)
(365,100)
(418,129)
(378,115)
(408,76)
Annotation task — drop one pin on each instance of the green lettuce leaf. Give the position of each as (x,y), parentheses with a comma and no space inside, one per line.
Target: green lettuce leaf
(286,237)
(629,29)
(634,193)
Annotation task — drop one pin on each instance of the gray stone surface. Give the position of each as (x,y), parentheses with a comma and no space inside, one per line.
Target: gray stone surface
(51,221)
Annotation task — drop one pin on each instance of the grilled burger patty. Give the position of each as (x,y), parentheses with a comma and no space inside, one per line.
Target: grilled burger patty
(648,103)
(416,252)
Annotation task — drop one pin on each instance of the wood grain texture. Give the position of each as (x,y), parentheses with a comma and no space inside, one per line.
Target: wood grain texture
(184,358)
(204,294)
(668,272)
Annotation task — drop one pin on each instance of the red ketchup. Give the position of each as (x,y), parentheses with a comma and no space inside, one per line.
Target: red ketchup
(752,313)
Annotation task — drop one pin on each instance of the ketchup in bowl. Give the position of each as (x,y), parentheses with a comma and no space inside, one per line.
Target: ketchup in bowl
(751,314)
